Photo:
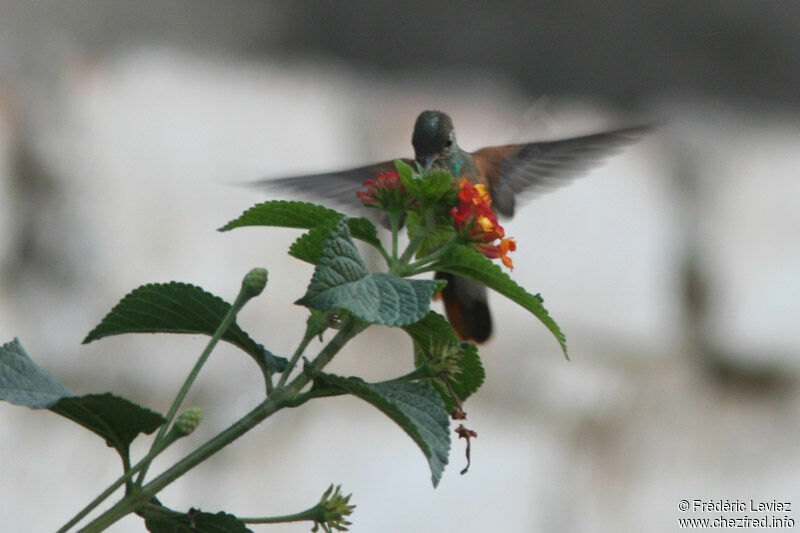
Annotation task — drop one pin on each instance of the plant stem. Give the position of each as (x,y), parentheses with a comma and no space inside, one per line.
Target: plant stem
(418,373)
(126,467)
(227,320)
(431,257)
(408,253)
(129,473)
(240,427)
(268,382)
(307,336)
(287,396)
(311,514)
(384,253)
(418,237)
(394,217)
(349,329)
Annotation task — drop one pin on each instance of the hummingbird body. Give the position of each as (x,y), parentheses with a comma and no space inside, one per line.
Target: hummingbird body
(508,172)
(461,165)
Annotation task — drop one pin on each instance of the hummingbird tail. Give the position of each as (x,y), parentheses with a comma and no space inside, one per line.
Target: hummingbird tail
(466,307)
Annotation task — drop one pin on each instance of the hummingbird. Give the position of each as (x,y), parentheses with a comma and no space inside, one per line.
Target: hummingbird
(509,172)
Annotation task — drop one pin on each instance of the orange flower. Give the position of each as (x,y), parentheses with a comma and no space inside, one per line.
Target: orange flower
(478,224)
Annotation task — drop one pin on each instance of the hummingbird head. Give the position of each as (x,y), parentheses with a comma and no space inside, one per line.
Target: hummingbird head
(434,137)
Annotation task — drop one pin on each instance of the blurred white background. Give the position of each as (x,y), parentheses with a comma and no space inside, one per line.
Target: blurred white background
(674,269)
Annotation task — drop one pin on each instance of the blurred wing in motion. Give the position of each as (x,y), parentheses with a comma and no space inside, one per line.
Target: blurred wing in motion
(534,168)
(341,186)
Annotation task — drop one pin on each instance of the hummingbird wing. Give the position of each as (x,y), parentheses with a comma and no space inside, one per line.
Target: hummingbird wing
(534,168)
(340,186)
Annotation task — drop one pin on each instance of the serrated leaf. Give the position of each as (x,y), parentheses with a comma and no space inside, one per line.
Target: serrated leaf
(363,230)
(308,247)
(469,380)
(341,281)
(339,260)
(194,522)
(23,382)
(464,261)
(427,187)
(378,298)
(434,332)
(435,184)
(414,406)
(434,328)
(115,419)
(177,308)
(305,215)
(287,214)
(434,238)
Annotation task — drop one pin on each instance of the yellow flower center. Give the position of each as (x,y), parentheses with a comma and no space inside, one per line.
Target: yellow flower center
(485,224)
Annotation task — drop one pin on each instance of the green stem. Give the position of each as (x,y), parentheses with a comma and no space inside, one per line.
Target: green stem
(309,334)
(418,237)
(418,373)
(384,253)
(434,256)
(282,397)
(313,514)
(132,502)
(412,247)
(129,473)
(351,327)
(268,382)
(126,466)
(394,216)
(227,320)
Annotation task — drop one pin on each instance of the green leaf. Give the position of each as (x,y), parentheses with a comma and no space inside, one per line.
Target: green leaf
(434,328)
(435,333)
(415,407)
(320,220)
(339,258)
(115,419)
(22,382)
(407,177)
(435,184)
(308,247)
(427,187)
(285,214)
(341,281)
(193,522)
(404,170)
(377,298)
(364,230)
(434,238)
(464,261)
(177,308)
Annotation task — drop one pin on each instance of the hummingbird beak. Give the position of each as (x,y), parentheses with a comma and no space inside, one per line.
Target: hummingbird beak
(425,161)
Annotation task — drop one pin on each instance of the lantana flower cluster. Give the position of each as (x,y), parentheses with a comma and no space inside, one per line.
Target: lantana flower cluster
(473,217)
(476,222)
(386,192)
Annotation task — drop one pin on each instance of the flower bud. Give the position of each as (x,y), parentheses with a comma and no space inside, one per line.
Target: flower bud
(189,420)
(335,508)
(254,282)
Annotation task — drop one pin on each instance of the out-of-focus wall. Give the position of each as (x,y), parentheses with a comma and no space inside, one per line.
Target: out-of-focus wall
(672,269)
